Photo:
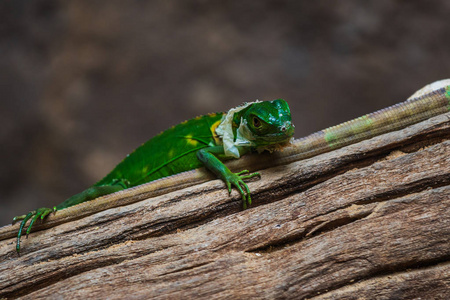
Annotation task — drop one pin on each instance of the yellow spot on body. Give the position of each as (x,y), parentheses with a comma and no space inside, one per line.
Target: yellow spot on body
(171,152)
(217,140)
(190,140)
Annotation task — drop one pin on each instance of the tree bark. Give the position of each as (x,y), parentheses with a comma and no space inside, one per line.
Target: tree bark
(371,220)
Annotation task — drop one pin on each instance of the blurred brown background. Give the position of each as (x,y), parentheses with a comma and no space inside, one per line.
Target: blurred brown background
(83,83)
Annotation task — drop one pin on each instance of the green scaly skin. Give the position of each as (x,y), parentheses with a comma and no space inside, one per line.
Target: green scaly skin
(184,147)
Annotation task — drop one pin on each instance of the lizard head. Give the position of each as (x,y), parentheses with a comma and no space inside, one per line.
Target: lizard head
(266,124)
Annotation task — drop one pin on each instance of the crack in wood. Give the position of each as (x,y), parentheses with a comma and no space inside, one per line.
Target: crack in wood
(188,268)
(382,273)
(325,222)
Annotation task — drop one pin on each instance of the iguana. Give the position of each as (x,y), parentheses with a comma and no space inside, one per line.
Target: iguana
(223,136)
(203,141)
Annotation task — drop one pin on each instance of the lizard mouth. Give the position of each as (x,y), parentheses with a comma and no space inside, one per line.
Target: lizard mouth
(283,136)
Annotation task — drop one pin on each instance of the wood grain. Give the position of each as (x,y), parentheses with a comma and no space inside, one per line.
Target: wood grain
(371,220)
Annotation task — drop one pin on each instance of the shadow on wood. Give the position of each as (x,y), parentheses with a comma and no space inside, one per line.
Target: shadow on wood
(370,220)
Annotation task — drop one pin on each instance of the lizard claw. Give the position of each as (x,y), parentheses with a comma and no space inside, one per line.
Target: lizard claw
(33,215)
(237,180)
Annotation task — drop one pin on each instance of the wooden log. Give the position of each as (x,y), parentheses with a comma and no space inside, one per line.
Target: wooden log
(371,220)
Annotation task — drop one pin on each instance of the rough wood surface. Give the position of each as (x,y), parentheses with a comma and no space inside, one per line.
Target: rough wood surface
(371,220)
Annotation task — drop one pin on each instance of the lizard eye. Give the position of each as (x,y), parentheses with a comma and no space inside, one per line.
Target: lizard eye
(256,122)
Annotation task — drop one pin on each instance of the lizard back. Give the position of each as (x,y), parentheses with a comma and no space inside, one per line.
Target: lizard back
(171,152)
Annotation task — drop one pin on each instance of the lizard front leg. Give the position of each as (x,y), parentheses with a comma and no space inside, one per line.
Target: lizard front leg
(210,158)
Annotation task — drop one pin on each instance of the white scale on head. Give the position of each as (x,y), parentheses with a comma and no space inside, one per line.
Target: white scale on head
(225,132)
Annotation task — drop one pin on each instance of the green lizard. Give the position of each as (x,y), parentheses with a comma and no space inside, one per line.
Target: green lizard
(206,140)
(218,142)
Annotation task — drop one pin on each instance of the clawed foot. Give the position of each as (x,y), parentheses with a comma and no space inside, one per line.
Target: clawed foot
(237,180)
(35,214)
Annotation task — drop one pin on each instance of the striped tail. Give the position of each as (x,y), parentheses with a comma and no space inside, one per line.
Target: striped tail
(385,120)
